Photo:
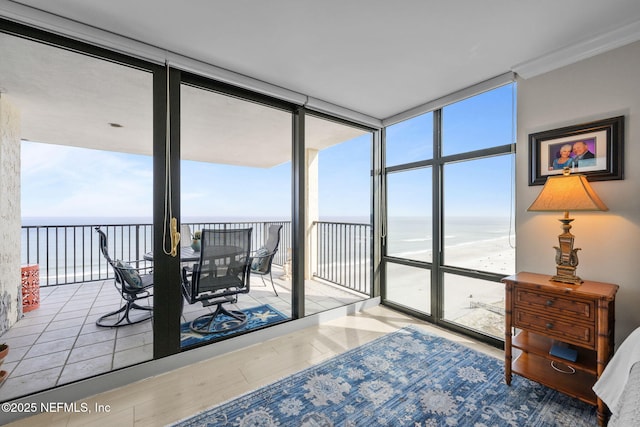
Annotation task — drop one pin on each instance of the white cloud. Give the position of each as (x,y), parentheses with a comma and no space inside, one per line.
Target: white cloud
(69,181)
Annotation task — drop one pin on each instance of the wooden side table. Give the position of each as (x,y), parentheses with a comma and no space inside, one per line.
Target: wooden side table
(539,312)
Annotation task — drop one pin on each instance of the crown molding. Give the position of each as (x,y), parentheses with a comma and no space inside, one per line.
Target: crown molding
(577,52)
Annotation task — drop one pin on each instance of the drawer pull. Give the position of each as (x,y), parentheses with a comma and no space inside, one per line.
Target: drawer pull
(549,325)
(549,303)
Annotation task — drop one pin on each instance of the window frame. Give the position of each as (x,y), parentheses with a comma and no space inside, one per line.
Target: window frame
(437,164)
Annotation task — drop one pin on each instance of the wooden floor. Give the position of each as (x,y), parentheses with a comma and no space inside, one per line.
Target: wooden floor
(59,343)
(183,392)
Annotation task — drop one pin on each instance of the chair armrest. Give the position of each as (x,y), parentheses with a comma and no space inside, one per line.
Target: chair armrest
(268,254)
(190,278)
(138,261)
(141,261)
(130,276)
(135,268)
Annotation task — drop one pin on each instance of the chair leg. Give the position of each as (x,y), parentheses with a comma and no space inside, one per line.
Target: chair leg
(272,285)
(100,322)
(210,326)
(182,309)
(265,283)
(124,319)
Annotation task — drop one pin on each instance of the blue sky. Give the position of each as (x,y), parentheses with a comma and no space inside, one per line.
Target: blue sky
(479,187)
(61,181)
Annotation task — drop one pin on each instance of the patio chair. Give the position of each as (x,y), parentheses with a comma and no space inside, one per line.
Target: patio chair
(131,285)
(263,257)
(221,274)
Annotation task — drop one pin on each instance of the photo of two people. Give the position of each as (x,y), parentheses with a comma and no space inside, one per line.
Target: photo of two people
(579,153)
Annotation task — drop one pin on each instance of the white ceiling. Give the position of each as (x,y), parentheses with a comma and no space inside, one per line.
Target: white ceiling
(375,57)
(68,98)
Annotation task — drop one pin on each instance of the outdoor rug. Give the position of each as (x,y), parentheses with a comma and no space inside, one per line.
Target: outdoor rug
(257,317)
(406,378)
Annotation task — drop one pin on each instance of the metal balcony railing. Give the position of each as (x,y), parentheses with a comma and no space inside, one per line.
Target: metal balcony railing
(343,254)
(71,254)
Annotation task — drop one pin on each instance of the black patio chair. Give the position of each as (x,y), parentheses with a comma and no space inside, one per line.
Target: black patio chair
(221,274)
(263,257)
(132,286)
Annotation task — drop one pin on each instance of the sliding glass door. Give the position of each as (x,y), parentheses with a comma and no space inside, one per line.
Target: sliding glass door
(117,143)
(235,173)
(84,145)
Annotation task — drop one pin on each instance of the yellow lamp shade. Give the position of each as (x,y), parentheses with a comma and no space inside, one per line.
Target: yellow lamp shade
(567,193)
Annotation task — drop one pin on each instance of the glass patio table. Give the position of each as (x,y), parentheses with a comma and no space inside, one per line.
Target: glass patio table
(187,254)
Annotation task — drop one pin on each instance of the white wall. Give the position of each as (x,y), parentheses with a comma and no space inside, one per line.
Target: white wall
(604,86)
(10,295)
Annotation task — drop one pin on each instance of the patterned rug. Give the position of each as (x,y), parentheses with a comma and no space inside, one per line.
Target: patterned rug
(256,317)
(406,378)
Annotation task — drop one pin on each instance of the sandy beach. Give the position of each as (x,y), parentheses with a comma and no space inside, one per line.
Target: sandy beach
(492,255)
(475,303)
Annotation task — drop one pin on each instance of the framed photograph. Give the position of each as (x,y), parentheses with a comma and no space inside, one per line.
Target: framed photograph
(594,149)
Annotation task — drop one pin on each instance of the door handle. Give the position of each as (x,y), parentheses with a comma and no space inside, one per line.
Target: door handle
(175,237)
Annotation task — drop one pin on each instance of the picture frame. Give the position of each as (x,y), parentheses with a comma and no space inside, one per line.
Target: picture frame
(595,150)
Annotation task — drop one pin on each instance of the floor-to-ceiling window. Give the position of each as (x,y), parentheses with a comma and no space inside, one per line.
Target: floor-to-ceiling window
(338,213)
(409,238)
(449,208)
(408,230)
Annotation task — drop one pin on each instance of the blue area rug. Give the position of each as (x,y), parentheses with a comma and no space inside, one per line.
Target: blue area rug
(256,317)
(407,378)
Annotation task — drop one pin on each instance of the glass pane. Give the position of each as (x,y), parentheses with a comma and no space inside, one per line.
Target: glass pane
(409,286)
(86,126)
(409,231)
(482,121)
(478,229)
(338,214)
(410,141)
(235,173)
(474,303)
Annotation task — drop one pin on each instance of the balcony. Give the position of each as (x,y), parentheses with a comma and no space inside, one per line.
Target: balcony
(59,343)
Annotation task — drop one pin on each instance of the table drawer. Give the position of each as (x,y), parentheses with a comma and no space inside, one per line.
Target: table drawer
(565,331)
(556,304)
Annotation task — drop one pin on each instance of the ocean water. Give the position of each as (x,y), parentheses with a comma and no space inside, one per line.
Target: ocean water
(67,248)
(68,251)
(412,237)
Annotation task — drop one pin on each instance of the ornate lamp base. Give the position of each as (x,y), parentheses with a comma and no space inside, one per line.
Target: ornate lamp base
(566,277)
(566,255)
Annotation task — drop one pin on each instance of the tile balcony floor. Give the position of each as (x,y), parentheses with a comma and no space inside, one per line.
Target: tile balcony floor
(59,342)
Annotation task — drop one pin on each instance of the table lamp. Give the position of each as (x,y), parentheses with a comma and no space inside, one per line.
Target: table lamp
(566,193)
